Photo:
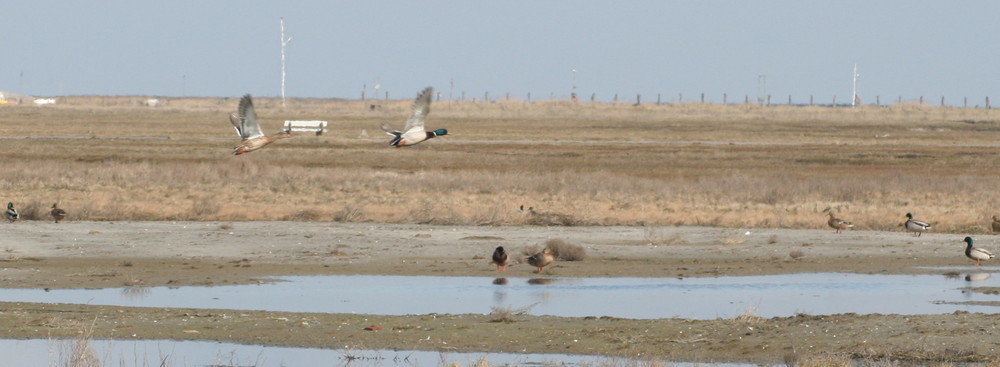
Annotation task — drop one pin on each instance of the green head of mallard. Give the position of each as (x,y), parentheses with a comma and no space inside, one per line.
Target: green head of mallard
(10,206)
(909,215)
(440,132)
(968,240)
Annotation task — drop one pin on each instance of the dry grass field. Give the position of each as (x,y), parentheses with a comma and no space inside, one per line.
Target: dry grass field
(112,158)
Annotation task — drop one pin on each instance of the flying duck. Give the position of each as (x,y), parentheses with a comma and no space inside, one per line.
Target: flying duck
(413,132)
(245,122)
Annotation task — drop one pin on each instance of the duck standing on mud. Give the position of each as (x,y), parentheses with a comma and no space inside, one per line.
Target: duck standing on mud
(57,214)
(915,226)
(541,259)
(839,224)
(11,213)
(500,258)
(976,253)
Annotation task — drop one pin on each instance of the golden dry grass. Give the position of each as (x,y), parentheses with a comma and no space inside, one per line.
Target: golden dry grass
(111,158)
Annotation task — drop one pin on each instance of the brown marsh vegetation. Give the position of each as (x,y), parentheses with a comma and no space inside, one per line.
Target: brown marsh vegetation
(112,158)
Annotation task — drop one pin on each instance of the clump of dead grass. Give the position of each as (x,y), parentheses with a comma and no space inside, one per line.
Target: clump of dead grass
(733,238)
(305,215)
(796,254)
(566,251)
(349,213)
(749,317)
(507,314)
(80,352)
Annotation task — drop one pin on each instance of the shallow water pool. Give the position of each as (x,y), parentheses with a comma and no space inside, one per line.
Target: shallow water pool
(696,298)
(126,353)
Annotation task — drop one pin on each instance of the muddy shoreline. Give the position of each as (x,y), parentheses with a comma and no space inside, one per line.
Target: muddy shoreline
(147,254)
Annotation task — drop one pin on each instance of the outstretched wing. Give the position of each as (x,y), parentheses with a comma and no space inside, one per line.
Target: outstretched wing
(421,107)
(245,119)
(388,129)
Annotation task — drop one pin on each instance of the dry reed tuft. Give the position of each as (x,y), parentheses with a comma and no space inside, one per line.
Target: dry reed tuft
(305,215)
(566,251)
(81,351)
(749,317)
(349,213)
(506,314)
(796,254)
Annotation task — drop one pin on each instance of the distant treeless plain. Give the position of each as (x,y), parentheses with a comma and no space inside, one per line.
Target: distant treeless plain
(115,158)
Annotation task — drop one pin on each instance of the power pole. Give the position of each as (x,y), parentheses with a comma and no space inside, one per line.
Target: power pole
(284,42)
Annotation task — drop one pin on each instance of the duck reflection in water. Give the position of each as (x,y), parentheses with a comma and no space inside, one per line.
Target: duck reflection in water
(977,277)
(500,294)
(540,281)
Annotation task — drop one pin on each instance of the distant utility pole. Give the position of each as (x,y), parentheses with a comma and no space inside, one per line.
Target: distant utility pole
(572,94)
(854,89)
(761,88)
(284,42)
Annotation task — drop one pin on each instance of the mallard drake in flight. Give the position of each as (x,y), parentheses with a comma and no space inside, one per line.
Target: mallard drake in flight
(11,213)
(57,214)
(245,122)
(976,253)
(839,224)
(541,259)
(414,132)
(915,226)
(500,258)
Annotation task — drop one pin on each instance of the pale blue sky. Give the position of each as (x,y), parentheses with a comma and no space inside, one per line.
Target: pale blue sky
(228,48)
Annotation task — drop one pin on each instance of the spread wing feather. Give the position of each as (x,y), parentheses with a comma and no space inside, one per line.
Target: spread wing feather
(245,120)
(421,107)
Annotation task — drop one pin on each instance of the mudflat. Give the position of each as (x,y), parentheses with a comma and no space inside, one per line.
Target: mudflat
(79,254)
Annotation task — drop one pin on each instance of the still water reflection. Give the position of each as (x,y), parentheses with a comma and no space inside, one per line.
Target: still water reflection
(698,298)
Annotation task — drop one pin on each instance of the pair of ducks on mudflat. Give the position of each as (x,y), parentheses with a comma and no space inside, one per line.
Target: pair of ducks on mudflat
(918,227)
(911,225)
(248,128)
(538,260)
(12,215)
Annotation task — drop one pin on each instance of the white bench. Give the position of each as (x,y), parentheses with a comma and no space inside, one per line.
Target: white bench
(319,127)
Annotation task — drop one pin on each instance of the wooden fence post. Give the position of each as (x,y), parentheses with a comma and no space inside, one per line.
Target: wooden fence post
(725,98)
